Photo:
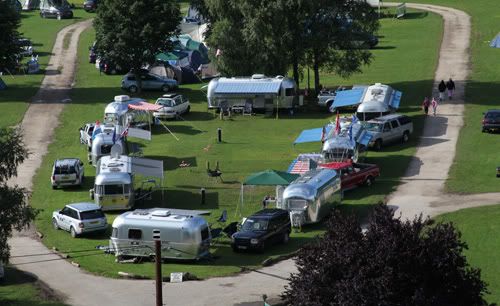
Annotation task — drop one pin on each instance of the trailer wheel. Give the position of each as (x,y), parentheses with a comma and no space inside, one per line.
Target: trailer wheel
(406,137)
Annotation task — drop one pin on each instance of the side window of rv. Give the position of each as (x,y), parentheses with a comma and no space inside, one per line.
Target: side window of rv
(289,92)
(134,233)
(105,149)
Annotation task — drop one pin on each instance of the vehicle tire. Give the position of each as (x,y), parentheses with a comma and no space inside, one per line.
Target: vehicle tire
(54,224)
(235,249)
(328,105)
(132,89)
(262,247)
(73,232)
(188,109)
(165,88)
(378,145)
(483,130)
(406,137)
(113,71)
(54,187)
(369,181)
(286,237)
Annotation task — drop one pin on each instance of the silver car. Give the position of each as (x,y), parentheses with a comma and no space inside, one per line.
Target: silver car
(149,81)
(80,218)
(389,128)
(173,105)
(67,172)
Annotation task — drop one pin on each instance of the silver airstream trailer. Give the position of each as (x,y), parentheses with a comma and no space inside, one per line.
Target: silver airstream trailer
(184,234)
(102,143)
(378,100)
(258,91)
(312,196)
(118,112)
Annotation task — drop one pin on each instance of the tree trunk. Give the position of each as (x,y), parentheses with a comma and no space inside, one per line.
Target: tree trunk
(316,74)
(296,71)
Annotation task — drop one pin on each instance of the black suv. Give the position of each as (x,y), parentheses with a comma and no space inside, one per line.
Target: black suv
(264,228)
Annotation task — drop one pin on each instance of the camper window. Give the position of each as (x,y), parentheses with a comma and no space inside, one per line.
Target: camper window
(290,92)
(113,189)
(106,149)
(114,232)
(134,234)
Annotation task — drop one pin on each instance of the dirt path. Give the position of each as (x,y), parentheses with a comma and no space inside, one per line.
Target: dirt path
(422,192)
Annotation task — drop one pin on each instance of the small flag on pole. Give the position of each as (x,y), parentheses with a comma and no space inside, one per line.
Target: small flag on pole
(323,134)
(337,124)
(97,129)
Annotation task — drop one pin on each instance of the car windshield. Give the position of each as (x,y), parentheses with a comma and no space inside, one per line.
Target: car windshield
(64,170)
(373,127)
(493,115)
(251,225)
(91,214)
(165,102)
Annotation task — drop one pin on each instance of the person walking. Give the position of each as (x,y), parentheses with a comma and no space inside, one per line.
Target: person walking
(425,105)
(442,89)
(451,87)
(434,104)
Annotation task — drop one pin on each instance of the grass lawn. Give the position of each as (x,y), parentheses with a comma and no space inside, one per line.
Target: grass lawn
(477,152)
(250,144)
(42,32)
(20,289)
(481,230)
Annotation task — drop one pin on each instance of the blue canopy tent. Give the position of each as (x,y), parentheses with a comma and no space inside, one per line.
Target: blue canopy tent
(348,97)
(495,43)
(312,135)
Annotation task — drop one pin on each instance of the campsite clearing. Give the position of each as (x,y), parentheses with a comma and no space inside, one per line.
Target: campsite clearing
(250,144)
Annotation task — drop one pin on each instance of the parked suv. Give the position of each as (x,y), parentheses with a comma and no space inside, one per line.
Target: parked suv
(173,105)
(56,9)
(67,172)
(491,120)
(150,81)
(264,228)
(80,218)
(389,128)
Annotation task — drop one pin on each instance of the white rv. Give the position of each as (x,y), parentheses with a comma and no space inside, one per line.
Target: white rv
(183,233)
(103,142)
(312,196)
(118,111)
(259,91)
(378,100)
(114,181)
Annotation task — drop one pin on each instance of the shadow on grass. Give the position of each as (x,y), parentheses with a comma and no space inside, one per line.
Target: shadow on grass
(172,163)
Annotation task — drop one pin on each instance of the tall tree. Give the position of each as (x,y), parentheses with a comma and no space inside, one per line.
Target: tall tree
(15,211)
(130,33)
(10,20)
(394,263)
(333,29)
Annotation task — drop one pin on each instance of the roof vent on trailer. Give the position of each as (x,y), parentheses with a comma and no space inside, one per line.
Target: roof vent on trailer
(161,213)
(258,76)
(122,98)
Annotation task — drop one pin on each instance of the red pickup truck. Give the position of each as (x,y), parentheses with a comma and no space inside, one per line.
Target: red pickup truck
(354,174)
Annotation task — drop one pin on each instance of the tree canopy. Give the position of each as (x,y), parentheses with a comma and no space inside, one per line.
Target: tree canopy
(394,262)
(9,24)
(273,36)
(15,211)
(130,33)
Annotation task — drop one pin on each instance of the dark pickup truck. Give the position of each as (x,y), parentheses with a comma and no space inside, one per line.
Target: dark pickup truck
(354,174)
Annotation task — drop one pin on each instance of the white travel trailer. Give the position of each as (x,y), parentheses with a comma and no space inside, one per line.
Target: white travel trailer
(114,181)
(378,100)
(103,142)
(184,234)
(118,111)
(312,196)
(258,91)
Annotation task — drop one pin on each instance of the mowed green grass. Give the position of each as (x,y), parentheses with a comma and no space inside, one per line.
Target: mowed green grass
(477,156)
(250,144)
(22,87)
(19,289)
(481,231)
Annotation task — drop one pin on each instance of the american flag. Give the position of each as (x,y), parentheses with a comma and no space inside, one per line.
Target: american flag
(299,167)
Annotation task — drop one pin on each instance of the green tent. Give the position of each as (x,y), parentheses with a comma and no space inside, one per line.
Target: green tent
(270,178)
(267,178)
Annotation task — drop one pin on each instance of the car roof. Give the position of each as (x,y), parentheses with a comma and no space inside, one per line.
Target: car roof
(66,161)
(269,213)
(84,206)
(386,117)
(493,111)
